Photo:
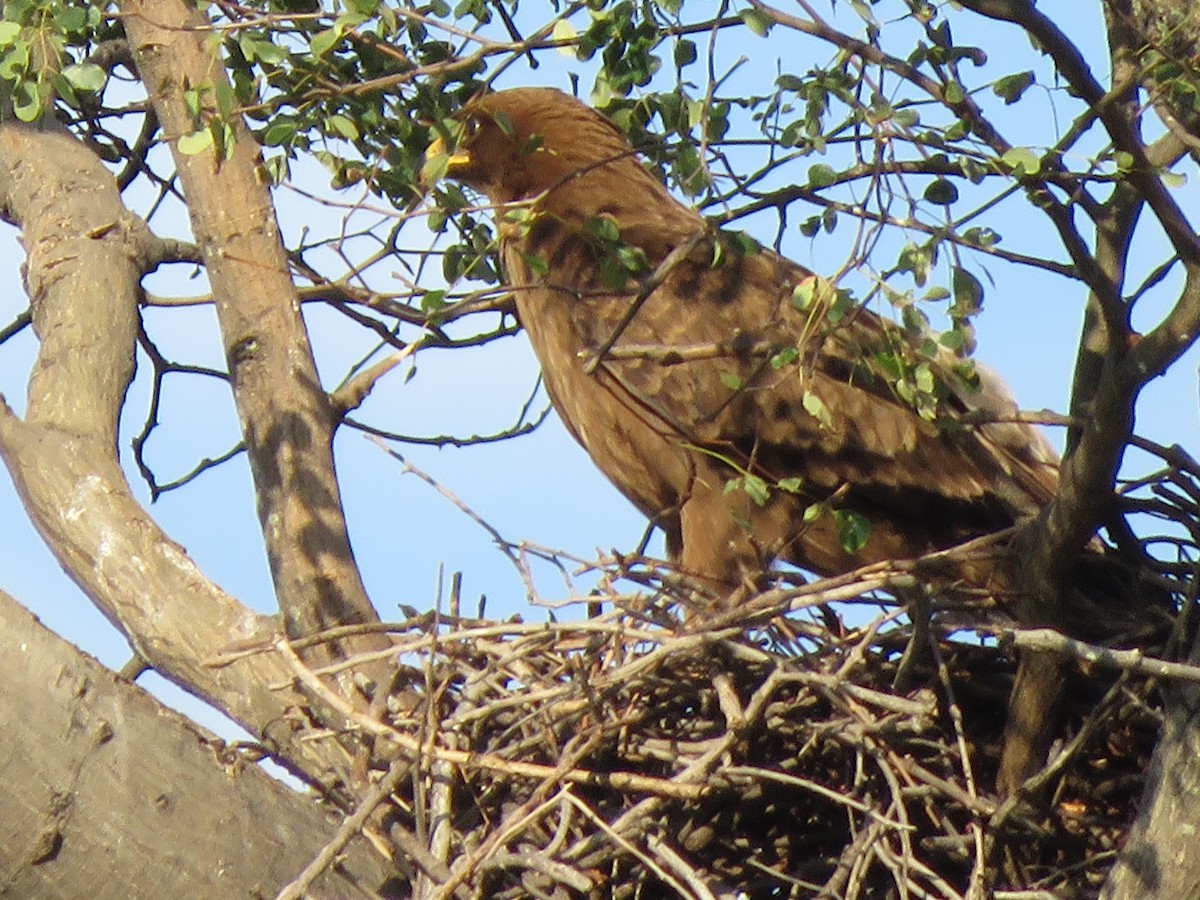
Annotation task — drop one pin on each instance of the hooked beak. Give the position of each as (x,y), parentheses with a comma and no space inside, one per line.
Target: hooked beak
(440,162)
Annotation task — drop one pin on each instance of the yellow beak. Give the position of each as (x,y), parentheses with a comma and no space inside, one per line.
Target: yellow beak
(439,162)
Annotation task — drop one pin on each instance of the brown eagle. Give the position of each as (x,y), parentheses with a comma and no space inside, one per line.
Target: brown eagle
(722,388)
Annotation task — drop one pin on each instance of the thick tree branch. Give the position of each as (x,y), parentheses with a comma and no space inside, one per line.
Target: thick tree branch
(285,414)
(1112,111)
(1158,860)
(128,799)
(85,257)
(85,253)
(1113,367)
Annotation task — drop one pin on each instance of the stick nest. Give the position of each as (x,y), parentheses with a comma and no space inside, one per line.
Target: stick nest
(773,751)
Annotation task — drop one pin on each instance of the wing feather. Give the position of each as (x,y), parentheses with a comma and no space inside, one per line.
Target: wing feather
(702,370)
(739,406)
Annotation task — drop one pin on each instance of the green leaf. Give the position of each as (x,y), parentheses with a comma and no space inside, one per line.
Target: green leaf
(226,100)
(323,41)
(941,191)
(685,53)
(633,259)
(605,228)
(613,274)
(968,292)
(731,381)
(956,131)
(843,302)
(196,142)
(925,379)
(255,48)
(228,138)
(741,243)
(918,260)
(953,93)
(864,12)
(343,126)
(879,111)
(854,529)
(279,132)
(784,357)
(791,485)
(821,175)
(891,365)
(73,18)
(1173,179)
(756,21)
(277,169)
(915,321)
(973,169)
(813,512)
(9,33)
(1011,87)
(1022,160)
(348,20)
(194,101)
(981,237)
(85,77)
(432,301)
(804,294)
(27,105)
(954,339)
(15,61)
(565,32)
(757,489)
(520,215)
(537,264)
(504,123)
(689,171)
(815,407)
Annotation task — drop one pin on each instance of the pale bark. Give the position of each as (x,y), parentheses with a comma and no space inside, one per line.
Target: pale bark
(109,794)
(286,417)
(1159,860)
(86,253)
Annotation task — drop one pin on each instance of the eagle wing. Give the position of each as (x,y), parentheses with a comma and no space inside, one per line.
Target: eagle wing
(683,363)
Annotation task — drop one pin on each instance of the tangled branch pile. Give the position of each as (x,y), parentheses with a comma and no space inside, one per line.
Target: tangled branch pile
(646,752)
(832,738)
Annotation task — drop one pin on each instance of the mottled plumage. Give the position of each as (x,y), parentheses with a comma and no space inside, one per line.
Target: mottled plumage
(672,432)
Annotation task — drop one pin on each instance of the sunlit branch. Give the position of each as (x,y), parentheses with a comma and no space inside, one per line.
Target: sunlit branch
(16,326)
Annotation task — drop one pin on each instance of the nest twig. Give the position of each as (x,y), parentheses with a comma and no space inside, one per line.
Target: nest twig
(814,741)
(610,758)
